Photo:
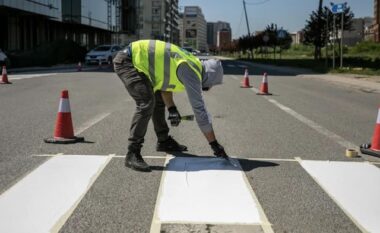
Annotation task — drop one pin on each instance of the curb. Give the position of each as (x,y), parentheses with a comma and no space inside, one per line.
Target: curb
(350,80)
(364,85)
(72,67)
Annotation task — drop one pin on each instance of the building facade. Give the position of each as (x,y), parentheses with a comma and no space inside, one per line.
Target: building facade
(358,32)
(27,24)
(297,37)
(211,37)
(224,39)
(149,19)
(213,34)
(194,29)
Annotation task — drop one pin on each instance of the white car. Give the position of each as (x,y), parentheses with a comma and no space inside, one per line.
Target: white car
(102,53)
(3,59)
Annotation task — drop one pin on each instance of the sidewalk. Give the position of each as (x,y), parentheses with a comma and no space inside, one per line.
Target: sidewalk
(62,67)
(365,83)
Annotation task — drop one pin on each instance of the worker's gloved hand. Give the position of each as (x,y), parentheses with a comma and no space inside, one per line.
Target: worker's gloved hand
(174,116)
(218,149)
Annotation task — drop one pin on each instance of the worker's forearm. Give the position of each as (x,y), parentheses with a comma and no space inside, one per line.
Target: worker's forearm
(167,97)
(210,136)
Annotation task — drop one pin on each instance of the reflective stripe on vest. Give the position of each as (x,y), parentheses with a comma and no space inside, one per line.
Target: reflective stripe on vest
(151,52)
(166,84)
(160,60)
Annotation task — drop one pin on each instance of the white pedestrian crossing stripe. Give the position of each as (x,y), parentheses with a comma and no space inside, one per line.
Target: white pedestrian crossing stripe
(193,190)
(354,186)
(38,202)
(206,190)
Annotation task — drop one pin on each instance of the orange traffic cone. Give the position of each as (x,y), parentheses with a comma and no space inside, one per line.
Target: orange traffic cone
(264,86)
(373,148)
(79,67)
(64,132)
(245,82)
(5,76)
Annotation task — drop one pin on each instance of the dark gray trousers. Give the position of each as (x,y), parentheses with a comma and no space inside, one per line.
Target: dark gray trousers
(148,104)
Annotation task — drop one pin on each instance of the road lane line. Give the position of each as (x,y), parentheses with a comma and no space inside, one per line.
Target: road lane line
(43,200)
(320,129)
(91,122)
(354,187)
(312,124)
(205,191)
(28,76)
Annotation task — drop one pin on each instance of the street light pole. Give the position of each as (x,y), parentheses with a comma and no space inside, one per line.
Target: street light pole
(246,18)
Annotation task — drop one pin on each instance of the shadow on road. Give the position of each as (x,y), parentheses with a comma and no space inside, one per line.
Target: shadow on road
(185,162)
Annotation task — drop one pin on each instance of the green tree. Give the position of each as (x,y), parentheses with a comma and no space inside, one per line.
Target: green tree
(313,30)
(275,41)
(320,24)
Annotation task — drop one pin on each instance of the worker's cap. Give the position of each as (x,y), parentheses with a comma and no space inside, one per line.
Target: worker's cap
(213,73)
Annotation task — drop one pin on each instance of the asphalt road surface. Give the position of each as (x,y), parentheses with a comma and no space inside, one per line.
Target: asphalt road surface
(293,174)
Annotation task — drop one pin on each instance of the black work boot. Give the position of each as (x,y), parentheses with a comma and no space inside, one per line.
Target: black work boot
(170,145)
(135,161)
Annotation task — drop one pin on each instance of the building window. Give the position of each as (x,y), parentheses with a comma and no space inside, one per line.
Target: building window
(155,18)
(156,3)
(155,26)
(156,11)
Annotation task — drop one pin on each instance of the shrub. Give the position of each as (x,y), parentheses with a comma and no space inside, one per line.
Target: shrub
(366,48)
(57,52)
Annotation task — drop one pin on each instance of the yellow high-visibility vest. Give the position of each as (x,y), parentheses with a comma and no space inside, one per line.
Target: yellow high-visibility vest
(159,61)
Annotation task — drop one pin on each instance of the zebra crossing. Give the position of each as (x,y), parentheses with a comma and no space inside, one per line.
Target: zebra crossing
(193,190)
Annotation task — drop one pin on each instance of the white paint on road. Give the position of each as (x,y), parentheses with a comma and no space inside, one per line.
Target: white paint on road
(320,129)
(43,199)
(27,76)
(353,186)
(91,122)
(206,190)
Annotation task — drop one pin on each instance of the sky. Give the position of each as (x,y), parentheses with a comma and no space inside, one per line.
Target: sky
(289,14)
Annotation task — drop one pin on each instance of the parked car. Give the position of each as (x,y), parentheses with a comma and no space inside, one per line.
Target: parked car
(4,61)
(102,53)
(191,50)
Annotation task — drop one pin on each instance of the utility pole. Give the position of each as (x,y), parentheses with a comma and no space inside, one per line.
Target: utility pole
(246,18)
(334,34)
(341,42)
(327,39)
